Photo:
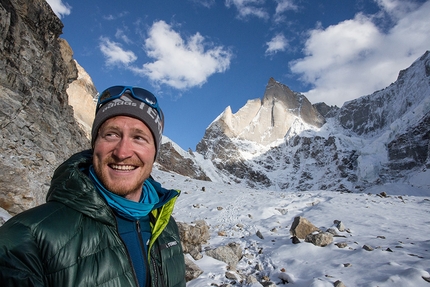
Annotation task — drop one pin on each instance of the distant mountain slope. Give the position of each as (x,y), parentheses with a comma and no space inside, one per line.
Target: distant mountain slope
(284,142)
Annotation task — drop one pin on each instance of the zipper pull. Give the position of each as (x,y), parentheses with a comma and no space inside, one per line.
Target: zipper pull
(138,226)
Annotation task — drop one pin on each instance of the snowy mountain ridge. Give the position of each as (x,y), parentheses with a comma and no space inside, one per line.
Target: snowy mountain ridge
(284,143)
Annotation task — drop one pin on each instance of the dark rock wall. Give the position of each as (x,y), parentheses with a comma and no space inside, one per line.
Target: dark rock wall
(38,130)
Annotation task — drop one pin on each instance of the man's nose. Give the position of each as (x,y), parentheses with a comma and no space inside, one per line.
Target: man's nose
(123,149)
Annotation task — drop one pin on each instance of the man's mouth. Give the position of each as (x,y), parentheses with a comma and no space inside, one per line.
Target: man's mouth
(122,167)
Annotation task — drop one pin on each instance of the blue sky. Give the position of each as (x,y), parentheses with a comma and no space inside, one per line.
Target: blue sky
(199,57)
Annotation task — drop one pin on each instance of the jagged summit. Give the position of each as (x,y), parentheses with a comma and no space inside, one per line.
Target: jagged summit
(295,104)
(268,120)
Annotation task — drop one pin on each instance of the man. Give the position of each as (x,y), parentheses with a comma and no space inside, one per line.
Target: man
(106,221)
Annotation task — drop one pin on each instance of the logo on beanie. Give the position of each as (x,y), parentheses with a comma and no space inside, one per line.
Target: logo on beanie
(153,114)
(122,101)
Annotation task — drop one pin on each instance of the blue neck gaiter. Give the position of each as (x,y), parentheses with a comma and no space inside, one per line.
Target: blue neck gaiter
(127,208)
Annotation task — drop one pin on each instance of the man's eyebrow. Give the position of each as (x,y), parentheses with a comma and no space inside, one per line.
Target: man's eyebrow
(138,130)
(111,127)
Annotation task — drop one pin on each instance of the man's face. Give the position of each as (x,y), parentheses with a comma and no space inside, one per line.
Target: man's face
(124,153)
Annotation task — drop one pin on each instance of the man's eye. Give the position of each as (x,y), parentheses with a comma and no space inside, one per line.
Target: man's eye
(140,138)
(110,135)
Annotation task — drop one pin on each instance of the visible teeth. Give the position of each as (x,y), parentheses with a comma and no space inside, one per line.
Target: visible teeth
(123,167)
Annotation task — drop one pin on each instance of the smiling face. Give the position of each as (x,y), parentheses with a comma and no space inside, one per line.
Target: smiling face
(124,153)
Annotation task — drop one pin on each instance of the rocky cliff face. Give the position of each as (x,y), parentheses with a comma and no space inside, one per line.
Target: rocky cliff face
(173,159)
(372,114)
(81,93)
(38,130)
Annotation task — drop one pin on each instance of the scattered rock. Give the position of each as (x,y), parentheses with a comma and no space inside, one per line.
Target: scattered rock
(196,254)
(259,235)
(268,284)
(368,247)
(230,275)
(192,271)
(338,283)
(410,254)
(193,236)
(295,240)
(320,239)
(283,211)
(339,225)
(341,244)
(302,227)
(251,279)
(382,194)
(230,254)
(259,267)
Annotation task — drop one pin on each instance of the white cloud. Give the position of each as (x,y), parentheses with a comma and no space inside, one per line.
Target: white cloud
(355,58)
(396,8)
(283,6)
(277,44)
(122,36)
(118,15)
(60,9)
(247,8)
(204,3)
(181,63)
(257,8)
(115,54)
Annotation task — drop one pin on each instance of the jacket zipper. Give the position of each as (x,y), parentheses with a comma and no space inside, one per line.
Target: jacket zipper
(145,256)
(158,270)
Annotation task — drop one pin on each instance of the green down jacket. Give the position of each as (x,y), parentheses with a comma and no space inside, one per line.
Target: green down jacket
(72,240)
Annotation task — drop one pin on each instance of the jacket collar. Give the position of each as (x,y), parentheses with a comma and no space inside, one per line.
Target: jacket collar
(71,186)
